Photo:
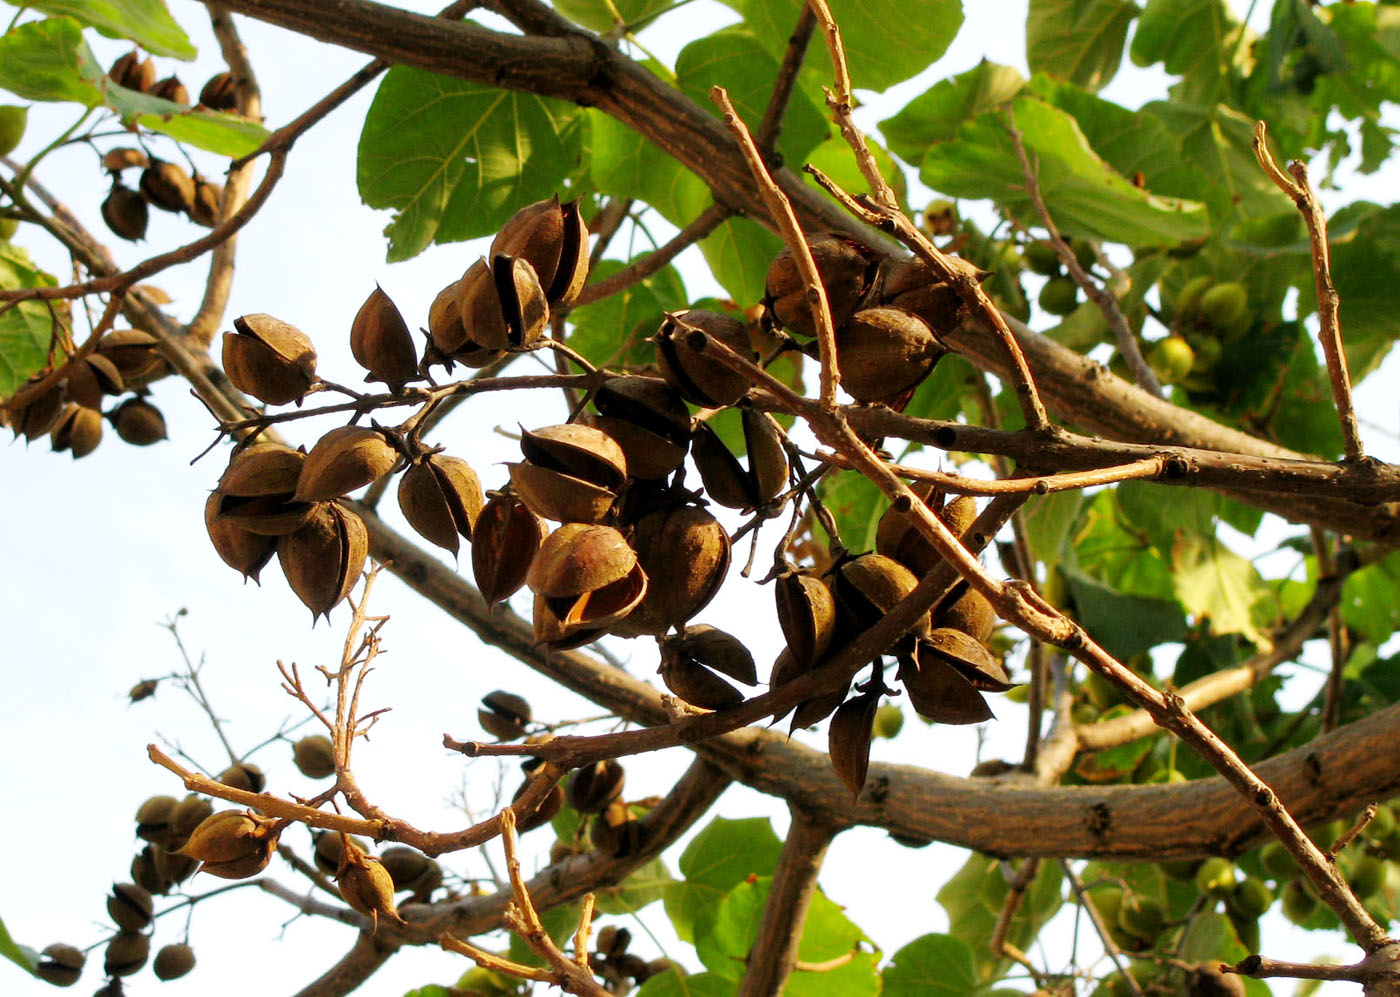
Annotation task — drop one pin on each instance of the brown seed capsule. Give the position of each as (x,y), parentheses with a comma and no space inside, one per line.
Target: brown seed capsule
(342,461)
(232,844)
(939,692)
(257,492)
(133,72)
(34,419)
(811,712)
(145,871)
(695,683)
(167,186)
(441,498)
(449,335)
(504,715)
(245,776)
(968,655)
(269,359)
(207,197)
(220,93)
(173,961)
(153,818)
(847,270)
(501,304)
(367,886)
(242,550)
(189,814)
(685,553)
(129,906)
(92,377)
(593,787)
(171,89)
(135,355)
(586,577)
(60,964)
(868,587)
(126,953)
(617,831)
(570,474)
(730,483)
(173,867)
(898,537)
(612,941)
(314,756)
(552,803)
(553,239)
(381,342)
(648,420)
(504,542)
(699,378)
(78,430)
(144,689)
(848,739)
(807,616)
(328,847)
(323,559)
(125,212)
(138,422)
(883,353)
(123,158)
(912,285)
(713,648)
(971,613)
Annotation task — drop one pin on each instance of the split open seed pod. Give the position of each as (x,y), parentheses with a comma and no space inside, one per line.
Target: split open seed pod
(553,239)
(207,198)
(699,378)
(848,739)
(269,359)
(970,613)
(232,844)
(343,460)
(504,541)
(129,907)
(502,304)
(912,285)
(257,492)
(847,270)
(969,656)
(685,553)
(126,953)
(867,587)
(367,887)
(898,536)
(37,417)
(648,420)
(381,342)
(571,473)
(441,498)
(731,483)
(323,559)
(220,92)
(135,354)
(807,616)
(616,831)
(594,787)
(133,72)
(60,964)
(168,187)
(78,430)
(91,377)
(552,803)
(884,353)
(939,691)
(715,649)
(504,715)
(410,869)
(587,577)
(242,550)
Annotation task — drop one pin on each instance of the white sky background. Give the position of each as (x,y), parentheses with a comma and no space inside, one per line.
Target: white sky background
(97,553)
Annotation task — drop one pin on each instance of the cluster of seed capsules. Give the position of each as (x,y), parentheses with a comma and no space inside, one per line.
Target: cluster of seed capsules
(634,552)
(162,184)
(70,411)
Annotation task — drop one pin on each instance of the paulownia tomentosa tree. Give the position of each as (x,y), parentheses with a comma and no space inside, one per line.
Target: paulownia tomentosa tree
(861,333)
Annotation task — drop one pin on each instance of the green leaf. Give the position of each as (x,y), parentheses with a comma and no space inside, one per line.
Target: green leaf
(1216,584)
(733,58)
(22,955)
(1125,624)
(50,61)
(623,164)
(1371,599)
(1078,40)
(456,159)
(1193,39)
(1104,548)
(725,933)
(714,862)
(857,506)
(614,331)
(974,897)
(1048,520)
(1084,194)
(936,114)
(884,43)
(739,253)
(146,22)
(644,886)
(931,964)
(1216,141)
(26,329)
(431,990)
(598,14)
(672,984)
(833,157)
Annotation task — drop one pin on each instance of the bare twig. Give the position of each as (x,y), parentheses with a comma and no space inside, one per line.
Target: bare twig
(1016,886)
(705,223)
(1110,947)
(1295,184)
(766,138)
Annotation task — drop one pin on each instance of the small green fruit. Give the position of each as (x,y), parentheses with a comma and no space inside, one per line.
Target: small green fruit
(1171,359)
(1247,931)
(1366,875)
(1019,693)
(1298,904)
(1223,304)
(8,227)
(1101,692)
(1059,296)
(889,720)
(1084,252)
(1391,845)
(1142,917)
(1180,869)
(1381,825)
(1188,299)
(1167,777)
(12,122)
(1041,258)
(1216,877)
(1275,860)
(1250,899)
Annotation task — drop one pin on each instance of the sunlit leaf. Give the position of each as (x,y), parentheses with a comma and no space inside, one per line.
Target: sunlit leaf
(1078,40)
(146,22)
(26,330)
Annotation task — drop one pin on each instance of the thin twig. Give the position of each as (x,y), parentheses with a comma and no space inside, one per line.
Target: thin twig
(1295,184)
(766,138)
(1110,947)
(1016,886)
(1336,634)
(705,223)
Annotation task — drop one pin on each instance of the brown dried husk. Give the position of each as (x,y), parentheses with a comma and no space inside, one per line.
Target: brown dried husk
(727,481)
(968,655)
(502,304)
(848,740)
(884,352)
(125,212)
(441,498)
(972,614)
(90,378)
(168,187)
(912,285)
(139,423)
(898,536)
(256,490)
(699,378)
(560,618)
(696,684)
(343,460)
(807,616)
(381,342)
(869,586)
(939,692)
(78,430)
(220,92)
(135,355)
(34,420)
(553,239)
(847,270)
(367,887)
(685,552)
(578,558)
(594,787)
(552,803)
(269,359)
(714,648)
(576,450)
(616,831)
(323,559)
(232,844)
(207,198)
(649,421)
(504,542)
(559,496)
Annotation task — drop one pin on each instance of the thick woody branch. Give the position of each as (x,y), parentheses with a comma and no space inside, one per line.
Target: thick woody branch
(774,953)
